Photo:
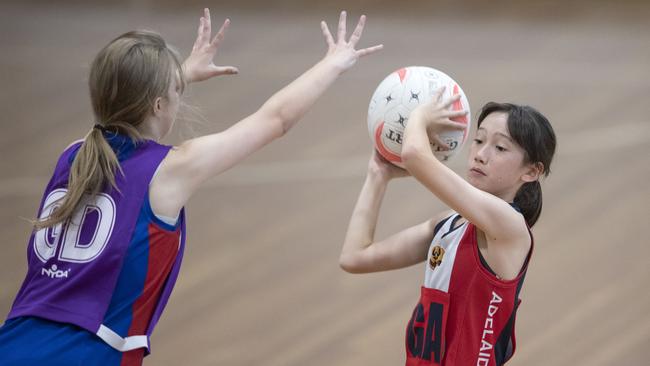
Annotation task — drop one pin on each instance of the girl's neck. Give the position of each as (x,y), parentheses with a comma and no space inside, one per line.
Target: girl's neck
(150,129)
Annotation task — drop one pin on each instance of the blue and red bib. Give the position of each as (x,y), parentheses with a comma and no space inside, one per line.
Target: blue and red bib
(111,268)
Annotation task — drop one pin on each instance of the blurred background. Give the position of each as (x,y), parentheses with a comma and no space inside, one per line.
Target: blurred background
(260,282)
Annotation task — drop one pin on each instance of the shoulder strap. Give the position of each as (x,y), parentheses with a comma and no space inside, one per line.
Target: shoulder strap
(445,225)
(439,225)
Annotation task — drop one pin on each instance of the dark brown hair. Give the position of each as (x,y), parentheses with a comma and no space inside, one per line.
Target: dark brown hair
(534,133)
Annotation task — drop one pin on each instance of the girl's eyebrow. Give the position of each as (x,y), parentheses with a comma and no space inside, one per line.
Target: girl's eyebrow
(496,133)
(504,135)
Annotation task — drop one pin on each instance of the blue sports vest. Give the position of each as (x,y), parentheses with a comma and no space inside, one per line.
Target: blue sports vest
(73,268)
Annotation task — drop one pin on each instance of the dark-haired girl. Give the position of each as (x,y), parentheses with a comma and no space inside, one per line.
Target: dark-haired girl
(476,254)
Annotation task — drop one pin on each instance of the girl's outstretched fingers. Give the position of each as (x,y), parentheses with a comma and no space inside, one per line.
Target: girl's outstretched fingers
(199,65)
(342,52)
(356,35)
(221,34)
(369,50)
(342,26)
(329,40)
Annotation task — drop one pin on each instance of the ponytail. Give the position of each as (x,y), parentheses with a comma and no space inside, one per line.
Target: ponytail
(125,79)
(529,200)
(94,165)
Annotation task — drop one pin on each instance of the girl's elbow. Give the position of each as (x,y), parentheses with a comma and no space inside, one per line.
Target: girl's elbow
(277,117)
(286,116)
(281,125)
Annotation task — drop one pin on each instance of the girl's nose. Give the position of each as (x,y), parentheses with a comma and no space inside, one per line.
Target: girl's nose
(480,156)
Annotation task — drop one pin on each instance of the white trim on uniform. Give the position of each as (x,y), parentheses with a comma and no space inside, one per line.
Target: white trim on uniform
(440,276)
(122,344)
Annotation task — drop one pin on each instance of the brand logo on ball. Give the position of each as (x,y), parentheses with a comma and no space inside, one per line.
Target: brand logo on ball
(394,100)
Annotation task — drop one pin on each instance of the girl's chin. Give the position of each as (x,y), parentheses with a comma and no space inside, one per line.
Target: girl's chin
(472,180)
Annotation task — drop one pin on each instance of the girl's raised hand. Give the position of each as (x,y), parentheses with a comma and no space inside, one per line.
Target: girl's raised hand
(436,116)
(384,168)
(199,65)
(342,53)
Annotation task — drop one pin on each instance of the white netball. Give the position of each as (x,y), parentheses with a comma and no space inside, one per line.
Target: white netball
(399,94)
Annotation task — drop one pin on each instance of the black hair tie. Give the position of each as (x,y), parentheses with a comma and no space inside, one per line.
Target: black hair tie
(100,127)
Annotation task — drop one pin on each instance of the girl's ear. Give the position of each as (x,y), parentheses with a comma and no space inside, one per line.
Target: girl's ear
(157,106)
(533,172)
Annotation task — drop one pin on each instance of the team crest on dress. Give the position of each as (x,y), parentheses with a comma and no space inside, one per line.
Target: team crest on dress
(436,256)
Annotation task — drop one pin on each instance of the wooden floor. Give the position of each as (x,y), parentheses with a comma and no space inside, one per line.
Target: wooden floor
(260,282)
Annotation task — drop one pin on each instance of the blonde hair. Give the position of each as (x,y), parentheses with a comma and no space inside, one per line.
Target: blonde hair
(125,79)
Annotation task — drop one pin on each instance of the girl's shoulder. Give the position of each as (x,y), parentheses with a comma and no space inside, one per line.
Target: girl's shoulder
(67,155)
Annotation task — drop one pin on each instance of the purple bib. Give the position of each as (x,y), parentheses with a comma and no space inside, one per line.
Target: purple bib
(73,268)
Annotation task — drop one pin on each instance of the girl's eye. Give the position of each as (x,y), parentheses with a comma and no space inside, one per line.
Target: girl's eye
(478,141)
(501,148)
